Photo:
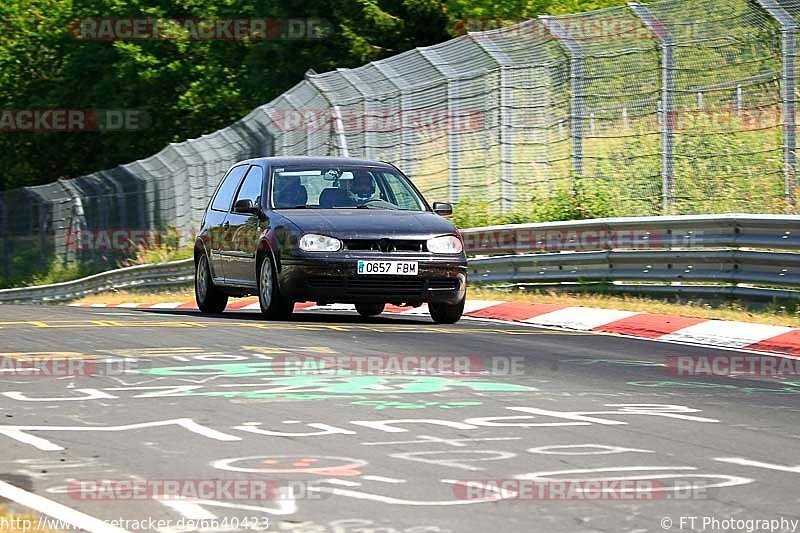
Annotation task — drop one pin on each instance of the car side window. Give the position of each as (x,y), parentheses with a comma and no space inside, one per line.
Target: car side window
(400,190)
(251,188)
(224,197)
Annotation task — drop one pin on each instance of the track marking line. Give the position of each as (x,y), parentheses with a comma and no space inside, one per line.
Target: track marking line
(56,510)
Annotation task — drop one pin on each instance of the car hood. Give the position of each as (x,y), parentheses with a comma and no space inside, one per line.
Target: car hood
(369,223)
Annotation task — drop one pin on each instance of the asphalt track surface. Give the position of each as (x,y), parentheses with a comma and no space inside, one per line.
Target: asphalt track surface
(390,453)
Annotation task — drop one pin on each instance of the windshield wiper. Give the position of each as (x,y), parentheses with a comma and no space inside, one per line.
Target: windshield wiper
(373,206)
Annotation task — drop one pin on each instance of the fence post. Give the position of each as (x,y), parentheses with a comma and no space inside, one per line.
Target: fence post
(661,32)
(788,98)
(452,140)
(289,97)
(406,140)
(451,121)
(4,228)
(367,120)
(789,110)
(42,236)
(506,153)
(578,85)
(337,124)
(506,142)
(739,101)
(77,218)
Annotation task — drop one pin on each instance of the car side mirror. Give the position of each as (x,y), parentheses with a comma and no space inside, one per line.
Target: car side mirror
(442,209)
(245,206)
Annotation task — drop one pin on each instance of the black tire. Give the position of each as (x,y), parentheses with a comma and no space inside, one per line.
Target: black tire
(370,309)
(442,313)
(208,297)
(274,305)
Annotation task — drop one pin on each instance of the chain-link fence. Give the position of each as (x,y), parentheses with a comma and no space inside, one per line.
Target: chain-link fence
(678,106)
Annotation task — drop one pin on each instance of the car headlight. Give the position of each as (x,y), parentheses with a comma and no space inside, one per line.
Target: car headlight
(447,244)
(311,242)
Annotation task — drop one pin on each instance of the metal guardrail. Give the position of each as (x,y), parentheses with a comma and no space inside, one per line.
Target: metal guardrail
(160,275)
(746,256)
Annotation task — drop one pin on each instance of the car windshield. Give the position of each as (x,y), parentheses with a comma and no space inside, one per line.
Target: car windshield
(343,188)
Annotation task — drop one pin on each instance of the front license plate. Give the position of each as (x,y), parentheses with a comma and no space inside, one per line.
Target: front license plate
(393,268)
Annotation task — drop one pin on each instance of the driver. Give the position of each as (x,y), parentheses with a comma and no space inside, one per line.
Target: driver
(362,188)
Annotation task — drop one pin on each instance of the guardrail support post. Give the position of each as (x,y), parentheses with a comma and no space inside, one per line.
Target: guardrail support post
(661,32)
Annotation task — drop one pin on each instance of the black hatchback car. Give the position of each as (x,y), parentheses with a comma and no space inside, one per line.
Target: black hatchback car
(327,230)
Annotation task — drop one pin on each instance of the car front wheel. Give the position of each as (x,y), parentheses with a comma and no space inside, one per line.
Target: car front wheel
(274,305)
(442,313)
(208,297)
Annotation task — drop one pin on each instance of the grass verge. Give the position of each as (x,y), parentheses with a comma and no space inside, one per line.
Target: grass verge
(11,522)
(121,297)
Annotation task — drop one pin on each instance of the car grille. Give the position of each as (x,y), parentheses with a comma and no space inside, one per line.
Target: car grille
(380,285)
(442,284)
(384,245)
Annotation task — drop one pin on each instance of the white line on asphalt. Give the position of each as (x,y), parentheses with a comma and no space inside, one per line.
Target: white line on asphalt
(57,510)
(383,479)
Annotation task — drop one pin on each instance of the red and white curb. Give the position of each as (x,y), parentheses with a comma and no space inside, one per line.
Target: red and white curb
(670,328)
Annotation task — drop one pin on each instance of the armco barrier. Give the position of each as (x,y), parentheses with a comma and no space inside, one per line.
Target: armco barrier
(159,275)
(748,256)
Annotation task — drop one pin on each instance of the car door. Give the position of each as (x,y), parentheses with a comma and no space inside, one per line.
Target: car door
(216,219)
(244,229)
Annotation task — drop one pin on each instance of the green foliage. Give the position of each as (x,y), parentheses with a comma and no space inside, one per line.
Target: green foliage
(572,199)
(27,265)
(517,9)
(189,87)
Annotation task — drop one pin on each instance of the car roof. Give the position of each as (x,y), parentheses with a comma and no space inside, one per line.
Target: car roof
(315,160)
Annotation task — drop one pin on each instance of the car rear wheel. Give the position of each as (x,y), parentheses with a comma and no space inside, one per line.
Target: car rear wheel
(208,297)
(370,309)
(442,313)
(274,305)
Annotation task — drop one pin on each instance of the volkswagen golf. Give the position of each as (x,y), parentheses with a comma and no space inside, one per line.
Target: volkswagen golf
(327,230)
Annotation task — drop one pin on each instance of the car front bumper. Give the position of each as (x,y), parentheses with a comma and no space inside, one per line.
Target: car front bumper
(330,278)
